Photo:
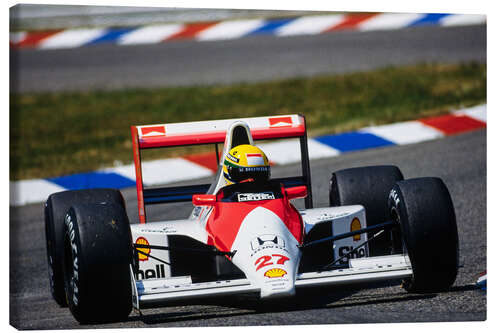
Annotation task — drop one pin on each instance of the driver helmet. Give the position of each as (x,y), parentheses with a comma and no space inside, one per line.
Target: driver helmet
(244,163)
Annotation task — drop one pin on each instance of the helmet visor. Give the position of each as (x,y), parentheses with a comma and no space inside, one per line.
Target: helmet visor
(238,174)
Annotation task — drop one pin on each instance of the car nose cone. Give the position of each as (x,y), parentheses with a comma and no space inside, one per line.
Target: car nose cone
(267,253)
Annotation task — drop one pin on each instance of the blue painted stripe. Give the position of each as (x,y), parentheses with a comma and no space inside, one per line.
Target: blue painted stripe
(353,141)
(111,35)
(428,19)
(92,180)
(270,27)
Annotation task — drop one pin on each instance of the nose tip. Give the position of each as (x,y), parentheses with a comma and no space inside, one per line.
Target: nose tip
(269,292)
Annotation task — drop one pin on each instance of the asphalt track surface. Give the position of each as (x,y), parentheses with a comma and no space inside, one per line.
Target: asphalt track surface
(249,59)
(459,160)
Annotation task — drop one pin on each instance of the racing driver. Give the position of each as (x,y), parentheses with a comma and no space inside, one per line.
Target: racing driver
(246,163)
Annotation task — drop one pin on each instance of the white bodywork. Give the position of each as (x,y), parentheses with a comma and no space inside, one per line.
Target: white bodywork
(159,286)
(265,250)
(271,265)
(159,291)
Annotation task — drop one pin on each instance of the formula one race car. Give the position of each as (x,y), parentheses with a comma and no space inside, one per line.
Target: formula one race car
(248,237)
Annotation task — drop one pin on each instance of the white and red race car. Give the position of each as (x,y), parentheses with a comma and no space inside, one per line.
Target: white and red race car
(246,238)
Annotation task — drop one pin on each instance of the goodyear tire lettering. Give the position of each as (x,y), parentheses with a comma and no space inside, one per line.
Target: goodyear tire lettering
(394,196)
(74,255)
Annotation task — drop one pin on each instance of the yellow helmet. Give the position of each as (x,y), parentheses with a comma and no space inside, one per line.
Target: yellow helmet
(245,162)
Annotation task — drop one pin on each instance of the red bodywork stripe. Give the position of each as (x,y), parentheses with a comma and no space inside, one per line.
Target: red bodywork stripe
(191,30)
(218,137)
(351,22)
(226,219)
(453,124)
(32,39)
(208,160)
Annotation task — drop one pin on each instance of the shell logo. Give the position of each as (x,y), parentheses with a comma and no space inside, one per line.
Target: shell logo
(143,241)
(275,272)
(356,225)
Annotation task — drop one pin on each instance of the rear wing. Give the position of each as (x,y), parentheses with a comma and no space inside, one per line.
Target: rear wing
(212,132)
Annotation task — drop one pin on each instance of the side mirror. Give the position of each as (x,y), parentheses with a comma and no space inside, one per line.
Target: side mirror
(296,192)
(204,199)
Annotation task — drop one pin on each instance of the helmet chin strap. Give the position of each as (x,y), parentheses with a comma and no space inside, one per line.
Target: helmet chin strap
(247,180)
(228,182)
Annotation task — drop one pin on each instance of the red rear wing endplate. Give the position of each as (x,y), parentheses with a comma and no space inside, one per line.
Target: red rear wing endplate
(213,132)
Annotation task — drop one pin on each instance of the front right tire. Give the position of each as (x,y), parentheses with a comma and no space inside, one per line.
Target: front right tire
(425,215)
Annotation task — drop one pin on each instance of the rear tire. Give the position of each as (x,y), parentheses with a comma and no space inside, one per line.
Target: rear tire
(367,186)
(56,207)
(424,211)
(97,257)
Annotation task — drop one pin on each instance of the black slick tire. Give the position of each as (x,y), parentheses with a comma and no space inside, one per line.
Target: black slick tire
(56,207)
(424,211)
(97,257)
(367,186)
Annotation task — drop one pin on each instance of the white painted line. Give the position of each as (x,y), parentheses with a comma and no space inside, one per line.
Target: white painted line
(389,21)
(319,150)
(288,151)
(150,34)
(404,133)
(229,30)
(310,25)
(463,19)
(127,171)
(17,37)
(30,191)
(164,171)
(71,38)
(476,112)
(282,152)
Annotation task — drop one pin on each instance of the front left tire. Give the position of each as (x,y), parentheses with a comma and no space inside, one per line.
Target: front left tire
(97,257)
(56,206)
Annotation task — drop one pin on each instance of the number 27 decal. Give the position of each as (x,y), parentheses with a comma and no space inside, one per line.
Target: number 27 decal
(268,260)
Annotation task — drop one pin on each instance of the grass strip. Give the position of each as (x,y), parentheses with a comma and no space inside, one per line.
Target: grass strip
(53,134)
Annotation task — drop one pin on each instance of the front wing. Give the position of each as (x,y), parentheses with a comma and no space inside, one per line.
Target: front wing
(157,292)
